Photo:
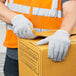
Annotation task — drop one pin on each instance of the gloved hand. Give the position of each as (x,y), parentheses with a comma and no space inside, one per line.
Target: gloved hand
(58,45)
(21,27)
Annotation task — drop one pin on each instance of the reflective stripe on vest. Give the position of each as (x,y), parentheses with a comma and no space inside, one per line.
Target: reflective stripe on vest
(10,27)
(46,12)
(53,12)
(19,8)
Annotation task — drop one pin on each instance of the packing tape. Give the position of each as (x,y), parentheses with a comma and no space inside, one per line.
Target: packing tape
(48,33)
(43,34)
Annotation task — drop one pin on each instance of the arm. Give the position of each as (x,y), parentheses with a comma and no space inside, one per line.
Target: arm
(3,1)
(69,14)
(59,42)
(6,14)
(20,23)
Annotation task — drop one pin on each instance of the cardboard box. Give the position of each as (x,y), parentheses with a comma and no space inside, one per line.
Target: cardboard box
(34,61)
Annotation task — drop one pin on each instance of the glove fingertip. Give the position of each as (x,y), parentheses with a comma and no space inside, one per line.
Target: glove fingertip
(63,58)
(41,42)
(48,55)
(38,44)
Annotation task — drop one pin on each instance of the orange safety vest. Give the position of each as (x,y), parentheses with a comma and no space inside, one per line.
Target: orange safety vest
(44,14)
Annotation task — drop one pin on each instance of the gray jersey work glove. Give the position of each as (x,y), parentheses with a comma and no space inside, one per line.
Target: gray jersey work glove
(21,27)
(58,45)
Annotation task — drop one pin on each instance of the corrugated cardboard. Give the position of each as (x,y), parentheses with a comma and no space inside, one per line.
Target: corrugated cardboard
(34,61)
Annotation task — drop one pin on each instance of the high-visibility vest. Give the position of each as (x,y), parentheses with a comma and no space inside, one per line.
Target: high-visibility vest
(44,14)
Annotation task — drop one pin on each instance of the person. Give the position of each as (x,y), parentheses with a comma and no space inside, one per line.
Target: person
(42,15)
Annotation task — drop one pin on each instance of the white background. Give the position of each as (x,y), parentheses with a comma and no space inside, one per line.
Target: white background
(2,48)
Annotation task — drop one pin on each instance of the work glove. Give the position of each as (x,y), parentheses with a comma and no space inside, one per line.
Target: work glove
(58,45)
(22,27)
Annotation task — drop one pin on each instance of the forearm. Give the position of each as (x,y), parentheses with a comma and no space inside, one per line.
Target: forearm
(3,19)
(3,1)
(69,14)
(6,14)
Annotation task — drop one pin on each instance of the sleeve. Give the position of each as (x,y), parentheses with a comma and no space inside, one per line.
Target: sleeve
(64,1)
